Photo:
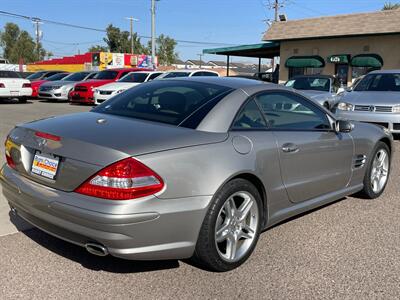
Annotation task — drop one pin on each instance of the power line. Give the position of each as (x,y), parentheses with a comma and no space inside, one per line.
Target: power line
(102,30)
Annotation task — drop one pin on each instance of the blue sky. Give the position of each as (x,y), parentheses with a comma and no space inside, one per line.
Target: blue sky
(221,21)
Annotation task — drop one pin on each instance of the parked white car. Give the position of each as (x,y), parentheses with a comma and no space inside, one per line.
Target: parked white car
(105,92)
(13,86)
(188,73)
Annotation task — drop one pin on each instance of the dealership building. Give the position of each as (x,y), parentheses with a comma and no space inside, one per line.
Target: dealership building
(346,46)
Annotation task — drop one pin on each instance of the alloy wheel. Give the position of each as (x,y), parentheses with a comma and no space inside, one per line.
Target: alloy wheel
(379,170)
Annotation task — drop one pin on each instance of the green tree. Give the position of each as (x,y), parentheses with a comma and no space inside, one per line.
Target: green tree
(98,48)
(120,41)
(19,45)
(391,6)
(165,50)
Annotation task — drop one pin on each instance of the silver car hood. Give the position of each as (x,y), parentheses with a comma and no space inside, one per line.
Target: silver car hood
(58,83)
(372,98)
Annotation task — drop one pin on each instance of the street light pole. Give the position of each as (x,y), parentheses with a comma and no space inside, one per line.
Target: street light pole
(131,19)
(153,32)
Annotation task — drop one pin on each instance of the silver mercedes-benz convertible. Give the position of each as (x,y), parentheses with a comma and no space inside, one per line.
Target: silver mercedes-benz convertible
(188,168)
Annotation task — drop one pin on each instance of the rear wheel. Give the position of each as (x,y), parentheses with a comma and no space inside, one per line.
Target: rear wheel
(231,228)
(377,173)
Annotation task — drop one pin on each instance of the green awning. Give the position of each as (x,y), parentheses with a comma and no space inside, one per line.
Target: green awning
(339,59)
(263,50)
(367,60)
(314,61)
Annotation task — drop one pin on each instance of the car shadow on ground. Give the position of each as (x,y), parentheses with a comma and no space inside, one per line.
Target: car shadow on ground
(13,101)
(108,263)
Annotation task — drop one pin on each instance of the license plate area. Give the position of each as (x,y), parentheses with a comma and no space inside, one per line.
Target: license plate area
(45,165)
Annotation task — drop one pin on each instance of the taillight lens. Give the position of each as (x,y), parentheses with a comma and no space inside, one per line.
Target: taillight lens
(2,85)
(123,180)
(26,85)
(8,146)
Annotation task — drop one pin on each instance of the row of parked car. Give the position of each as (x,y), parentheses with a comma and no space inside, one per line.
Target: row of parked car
(374,98)
(82,87)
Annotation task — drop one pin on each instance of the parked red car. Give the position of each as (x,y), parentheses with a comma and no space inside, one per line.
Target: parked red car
(37,83)
(83,91)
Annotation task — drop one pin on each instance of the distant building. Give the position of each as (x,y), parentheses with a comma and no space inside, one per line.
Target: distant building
(197,64)
(179,64)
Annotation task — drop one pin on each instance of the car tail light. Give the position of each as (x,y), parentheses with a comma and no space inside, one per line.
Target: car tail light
(8,145)
(2,85)
(123,180)
(26,85)
(47,136)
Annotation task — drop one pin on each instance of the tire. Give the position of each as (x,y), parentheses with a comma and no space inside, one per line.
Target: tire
(369,191)
(22,100)
(216,256)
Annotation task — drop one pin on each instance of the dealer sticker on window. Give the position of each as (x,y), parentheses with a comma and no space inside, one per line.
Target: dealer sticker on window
(45,165)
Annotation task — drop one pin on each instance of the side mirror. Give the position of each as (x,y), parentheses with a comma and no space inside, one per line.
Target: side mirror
(344,126)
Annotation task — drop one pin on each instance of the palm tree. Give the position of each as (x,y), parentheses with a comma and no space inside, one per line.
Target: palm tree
(391,6)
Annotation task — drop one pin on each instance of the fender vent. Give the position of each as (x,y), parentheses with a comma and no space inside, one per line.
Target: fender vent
(359,161)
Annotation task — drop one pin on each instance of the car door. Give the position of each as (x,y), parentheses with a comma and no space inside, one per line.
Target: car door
(314,159)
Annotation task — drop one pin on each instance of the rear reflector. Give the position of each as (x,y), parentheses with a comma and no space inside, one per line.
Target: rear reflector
(26,85)
(8,146)
(2,85)
(123,180)
(48,136)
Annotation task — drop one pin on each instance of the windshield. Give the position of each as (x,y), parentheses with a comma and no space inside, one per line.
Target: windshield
(310,83)
(56,77)
(106,75)
(170,102)
(76,76)
(9,74)
(36,75)
(379,82)
(134,77)
(176,74)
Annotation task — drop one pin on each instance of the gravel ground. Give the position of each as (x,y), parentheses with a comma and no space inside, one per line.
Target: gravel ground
(346,250)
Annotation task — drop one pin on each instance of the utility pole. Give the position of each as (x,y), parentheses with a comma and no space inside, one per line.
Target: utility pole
(38,34)
(153,33)
(276,9)
(131,19)
(200,55)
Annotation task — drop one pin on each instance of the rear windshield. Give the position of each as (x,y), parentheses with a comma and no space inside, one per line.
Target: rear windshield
(310,83)
(379,82)
(9,74)
(176,74)
(106,75)
(170,102)
(57,76)
(76,76)
(134,77)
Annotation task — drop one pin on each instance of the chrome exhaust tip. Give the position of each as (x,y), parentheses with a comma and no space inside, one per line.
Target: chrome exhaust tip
(13,211)
(96,249)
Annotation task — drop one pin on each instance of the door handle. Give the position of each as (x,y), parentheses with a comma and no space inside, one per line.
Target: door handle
(290,148)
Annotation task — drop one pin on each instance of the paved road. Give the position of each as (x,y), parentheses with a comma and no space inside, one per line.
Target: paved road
(347,250)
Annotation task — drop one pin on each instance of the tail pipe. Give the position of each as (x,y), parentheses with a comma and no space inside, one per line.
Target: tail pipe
(96,249)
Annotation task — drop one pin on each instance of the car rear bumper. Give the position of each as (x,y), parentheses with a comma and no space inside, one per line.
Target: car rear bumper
(18,92)
(389,120)
(142,229)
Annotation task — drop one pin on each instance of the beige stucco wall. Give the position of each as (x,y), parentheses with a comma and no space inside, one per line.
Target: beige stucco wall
(387,46)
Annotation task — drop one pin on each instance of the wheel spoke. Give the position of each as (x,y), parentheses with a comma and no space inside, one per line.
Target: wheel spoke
(382,158)
(231,246)
(222,233)
(230,208)
(384,172)
(244,208)
(248,234)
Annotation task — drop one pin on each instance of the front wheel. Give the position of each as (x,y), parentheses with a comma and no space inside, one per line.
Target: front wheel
(231,228)
(377,173)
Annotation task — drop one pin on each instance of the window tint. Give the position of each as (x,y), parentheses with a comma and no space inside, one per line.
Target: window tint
(210,74)
(36,75)
(134,77)
(176,74)
(57,76)
(310,83)
(106,75)
(79,76)
(250,117)
(49,74)
(154,75)
(9,74)
(197,74)
(168,102)
(379,82)
(287,111)
(123,74)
